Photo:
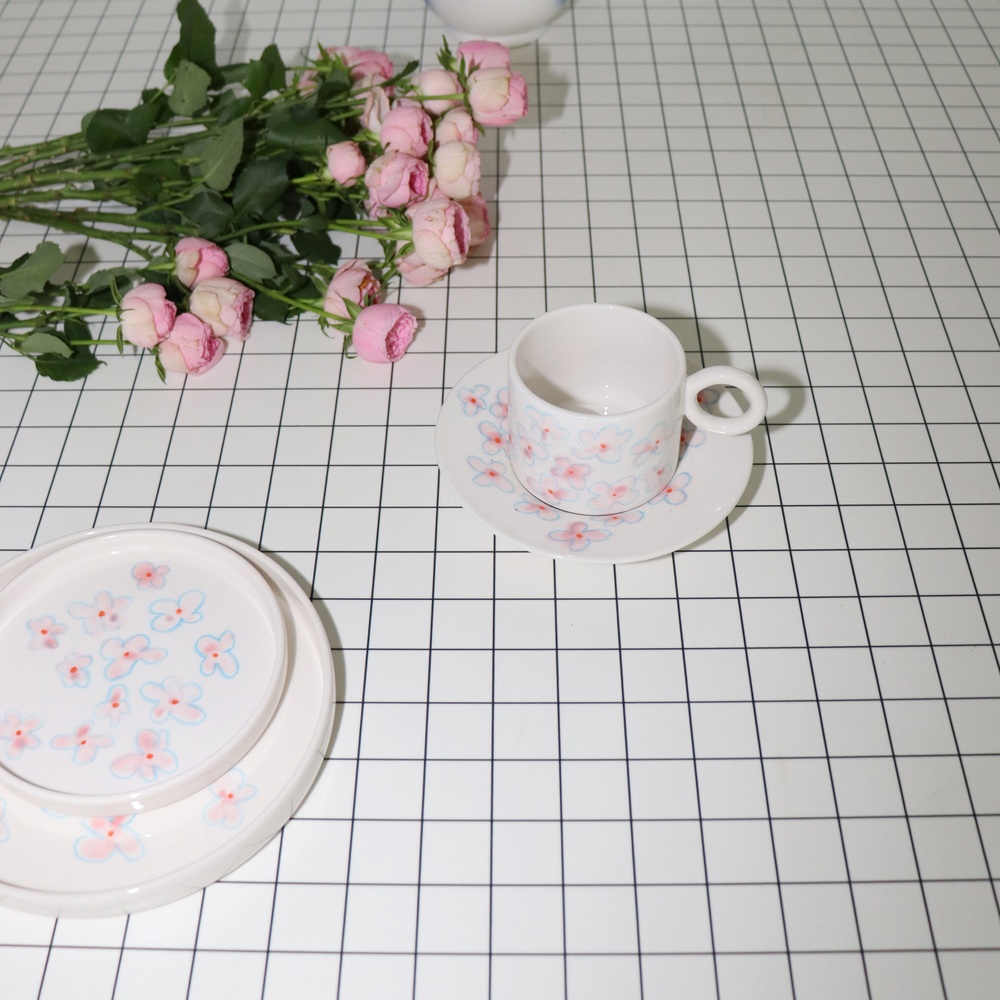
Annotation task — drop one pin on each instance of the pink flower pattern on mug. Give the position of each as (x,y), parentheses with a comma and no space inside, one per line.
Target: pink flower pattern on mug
(216,652)
(19,733)
(606,445)
(549,488)
(574,473)
(103,615)
(147,576)
(228,795)
(654,443)
(44,632)
(75,670)
(107,836)
(83,742)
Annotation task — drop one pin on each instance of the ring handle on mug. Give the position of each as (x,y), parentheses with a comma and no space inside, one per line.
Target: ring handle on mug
(724,375)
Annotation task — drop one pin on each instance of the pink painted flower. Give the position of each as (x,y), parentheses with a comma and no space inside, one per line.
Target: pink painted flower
(438,90)
(654,443)
(75,670)
(497,96)
(549,489)
(574,473)
(479,54)
(455,125)
(407,129)
(101,616)
(191,348)
(531,451)
(44,632)
(578,535)
(675,491)
(225,305)
(352,282)
(655,476)
(419,273)
(345,162)
(457,169)
(633,516)
(396,180)
(114,706)
(123,656)
(151,756)
(364,65)
(529,505)
(170,613)
(604,496)
(83,742)
(473,400)
(228,795)
(196,259)
(173,699)
(606,445)
(501,407)
(479,220)
(691,436)
(147,576)
(216,653)
(146,314)
(440,232)
(382,332)
(18,732)
(544,427)
(106,836)
(495,441)
(490,474)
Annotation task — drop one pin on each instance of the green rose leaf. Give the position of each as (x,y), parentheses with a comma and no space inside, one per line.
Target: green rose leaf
(209,213)
(219,156)
(260,184)
(78,363)
(250,262)
(41,342)
(316,247)
(30,272)
(265,74)
(196,43)
(301,128)
(190,92)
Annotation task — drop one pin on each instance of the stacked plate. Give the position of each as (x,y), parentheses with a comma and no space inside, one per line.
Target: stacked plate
(166,701)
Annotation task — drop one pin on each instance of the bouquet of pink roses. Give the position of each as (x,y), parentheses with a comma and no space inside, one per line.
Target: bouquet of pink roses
(229,183)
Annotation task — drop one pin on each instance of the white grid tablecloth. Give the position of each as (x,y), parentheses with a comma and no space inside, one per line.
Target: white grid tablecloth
(765,767)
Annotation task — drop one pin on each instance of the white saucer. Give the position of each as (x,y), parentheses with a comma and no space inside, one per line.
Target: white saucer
(137,666)
(66,865)
(712,474)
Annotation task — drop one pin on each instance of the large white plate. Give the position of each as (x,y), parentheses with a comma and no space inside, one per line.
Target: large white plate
(62,865)
(135,667)
(712,473)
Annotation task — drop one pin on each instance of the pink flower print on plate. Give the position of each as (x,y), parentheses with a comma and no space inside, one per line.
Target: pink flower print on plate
(151,756)
(604,496)
(123,656)
(106,836)
(575,473)
(675,491)
(19,733)
(549,490)
(75,670)
(216,653)
(577,535)
(101,616)
(473,400)
(654,443)
(147,576)
(495,440)
(501,407)
(83,742)
(44,632)
(174,700)
(114,706)
(170,613)
(606,445)
(228,795)
(490,474)
(529,505)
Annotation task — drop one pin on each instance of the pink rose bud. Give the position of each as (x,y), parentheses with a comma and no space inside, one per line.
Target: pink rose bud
(440,233)
(457,168)
(497,96)
(376,107)
(225,305)
(439,89)
(346,162)
(419,273)
(395,180)
(196,259)
(479,220)
(483,55)
(383,332)
(191,348)
(353,282)
(455,126)
(407,129)
(146,315)
(364,65)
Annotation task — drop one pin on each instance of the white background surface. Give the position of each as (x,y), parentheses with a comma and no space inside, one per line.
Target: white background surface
(767,767)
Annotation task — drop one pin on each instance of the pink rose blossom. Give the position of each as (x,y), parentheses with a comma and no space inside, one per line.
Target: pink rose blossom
(407,129)
(457,169)
(147,315)
(497,96)
(346,162)
(440,90)
(352,282)
(191,348)
(418,272)
(395,180)
(196,259)
(364,65)
(440,233)
(225,305)
(383,332)
(479,220)
(376,107)
(455,126)
(479,54)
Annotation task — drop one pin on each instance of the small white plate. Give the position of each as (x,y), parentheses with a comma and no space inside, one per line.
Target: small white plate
(137,666)
(65,865)
(712,474)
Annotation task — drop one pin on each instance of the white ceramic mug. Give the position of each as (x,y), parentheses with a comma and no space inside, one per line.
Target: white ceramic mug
(597,395)
(510,22)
